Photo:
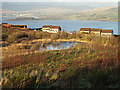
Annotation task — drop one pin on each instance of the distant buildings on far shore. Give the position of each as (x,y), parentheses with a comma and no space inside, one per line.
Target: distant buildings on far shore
(97,31)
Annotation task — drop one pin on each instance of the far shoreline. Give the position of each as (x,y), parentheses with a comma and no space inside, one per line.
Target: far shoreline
(60,19)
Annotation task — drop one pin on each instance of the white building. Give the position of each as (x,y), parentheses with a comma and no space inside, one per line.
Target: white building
(51,29)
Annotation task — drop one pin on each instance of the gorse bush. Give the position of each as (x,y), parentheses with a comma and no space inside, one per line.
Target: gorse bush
(35,46)
(4,36)
(99,78)
(69,36)
(38,35)
(24,47)
(78,36)
(31,35)
(63,35)
(46,35)
(12,38)
(74,35)
(15,36)
(55,36)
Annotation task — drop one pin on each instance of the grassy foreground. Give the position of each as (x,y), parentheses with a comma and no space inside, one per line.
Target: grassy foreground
(93,65)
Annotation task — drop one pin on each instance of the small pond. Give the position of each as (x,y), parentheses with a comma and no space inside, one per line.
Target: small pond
(58,45)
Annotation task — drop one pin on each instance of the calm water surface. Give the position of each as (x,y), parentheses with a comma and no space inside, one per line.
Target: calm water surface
(61,45)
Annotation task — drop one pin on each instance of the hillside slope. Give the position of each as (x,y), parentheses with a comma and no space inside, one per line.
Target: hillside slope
(104,14)
(101,14)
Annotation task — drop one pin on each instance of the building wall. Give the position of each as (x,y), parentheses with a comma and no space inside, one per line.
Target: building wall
(85,31)
(45,29)
(96,32)
(106,33)
(50,30)
(55,30)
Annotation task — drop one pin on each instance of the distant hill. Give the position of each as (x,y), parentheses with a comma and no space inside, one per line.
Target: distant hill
(104,14)
(70,11)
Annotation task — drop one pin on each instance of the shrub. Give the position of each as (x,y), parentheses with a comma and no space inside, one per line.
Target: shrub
(89,37)
(63,35)
(35,46)
(99,78)
(70,36)
(78,36)
(13,37)
(55,36)
(4,44)
(38,35)
(24,47)
(69,72)
(74,34)
(45,35)
(31,35)
(4,36)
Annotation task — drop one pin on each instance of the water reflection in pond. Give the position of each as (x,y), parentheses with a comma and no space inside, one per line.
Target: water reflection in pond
(57,45)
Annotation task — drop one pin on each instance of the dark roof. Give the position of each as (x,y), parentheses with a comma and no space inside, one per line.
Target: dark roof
(55,27)
(47,26)
(85,29)
(50,26)
(107,31)
(96,29)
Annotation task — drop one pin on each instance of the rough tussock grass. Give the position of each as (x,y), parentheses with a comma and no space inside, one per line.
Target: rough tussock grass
(83,66)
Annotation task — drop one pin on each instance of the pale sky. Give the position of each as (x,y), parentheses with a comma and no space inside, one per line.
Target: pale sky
(59,0)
